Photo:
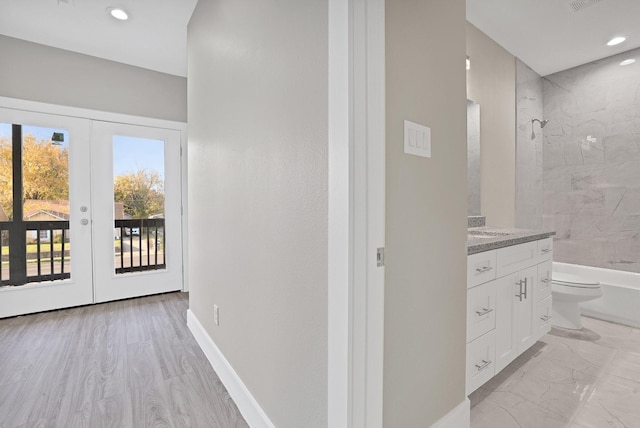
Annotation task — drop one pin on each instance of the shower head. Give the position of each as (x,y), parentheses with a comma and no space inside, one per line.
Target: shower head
(542,123)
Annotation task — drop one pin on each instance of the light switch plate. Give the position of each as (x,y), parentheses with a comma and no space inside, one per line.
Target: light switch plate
(417,139)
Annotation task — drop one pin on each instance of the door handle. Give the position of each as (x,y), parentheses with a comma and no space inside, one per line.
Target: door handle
(525,288)
(484,365)
(521,293)
(484,312)
(484,269)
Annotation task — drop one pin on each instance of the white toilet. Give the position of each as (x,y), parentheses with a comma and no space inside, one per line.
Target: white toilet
(568,291)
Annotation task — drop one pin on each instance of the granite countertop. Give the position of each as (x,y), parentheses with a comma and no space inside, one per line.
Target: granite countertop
(491,238)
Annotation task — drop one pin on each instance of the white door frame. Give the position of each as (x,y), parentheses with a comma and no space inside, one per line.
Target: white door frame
(82,113)
(356,212)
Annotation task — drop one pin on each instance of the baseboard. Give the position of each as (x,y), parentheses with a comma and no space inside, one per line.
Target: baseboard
(248,406)
(459,417)
(610,318)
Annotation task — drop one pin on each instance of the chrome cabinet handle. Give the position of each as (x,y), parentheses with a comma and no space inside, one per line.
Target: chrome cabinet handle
(525,288)
(545,250)
(484,365)
(484,269)
(545,318)
(545,281)
(484,312)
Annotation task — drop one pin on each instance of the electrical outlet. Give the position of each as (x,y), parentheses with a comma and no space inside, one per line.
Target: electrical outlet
(216,315)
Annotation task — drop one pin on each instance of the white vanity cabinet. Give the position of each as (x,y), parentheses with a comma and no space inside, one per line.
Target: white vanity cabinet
(508,306)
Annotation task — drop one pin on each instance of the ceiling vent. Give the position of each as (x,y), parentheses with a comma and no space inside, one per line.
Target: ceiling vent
(579,5)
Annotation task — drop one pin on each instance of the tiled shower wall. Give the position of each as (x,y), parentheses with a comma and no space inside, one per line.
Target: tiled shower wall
(529,104)
(592,163)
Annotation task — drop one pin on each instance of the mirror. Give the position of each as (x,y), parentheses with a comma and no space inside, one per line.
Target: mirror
(473,158)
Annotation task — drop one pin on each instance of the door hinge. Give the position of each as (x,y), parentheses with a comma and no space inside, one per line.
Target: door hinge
(380,257)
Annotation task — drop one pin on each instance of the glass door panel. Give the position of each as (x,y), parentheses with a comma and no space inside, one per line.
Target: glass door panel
(138,192)
(45,203)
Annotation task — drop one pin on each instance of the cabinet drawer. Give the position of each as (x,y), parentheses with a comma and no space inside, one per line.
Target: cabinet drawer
(515,258)
(543,317)
(481,310)
(543,284)
(545,249)
(480,361)
(481,267)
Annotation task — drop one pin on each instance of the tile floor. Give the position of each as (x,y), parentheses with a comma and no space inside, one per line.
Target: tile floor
(573,379)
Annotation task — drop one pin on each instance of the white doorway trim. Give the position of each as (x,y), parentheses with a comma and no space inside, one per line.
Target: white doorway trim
(82,113)
(356,212)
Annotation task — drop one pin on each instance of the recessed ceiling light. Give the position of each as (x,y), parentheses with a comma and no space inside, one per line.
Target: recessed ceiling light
(628,61)
(118,13)
(616,41)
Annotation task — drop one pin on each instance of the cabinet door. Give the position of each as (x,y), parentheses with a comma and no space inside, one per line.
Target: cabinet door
(481,314)
(506,344)
(480,361)
(481,267)
(524,289)
(543,284)
(543,317)
(545,249)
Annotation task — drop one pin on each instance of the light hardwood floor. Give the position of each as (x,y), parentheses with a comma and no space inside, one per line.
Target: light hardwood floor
(130,363)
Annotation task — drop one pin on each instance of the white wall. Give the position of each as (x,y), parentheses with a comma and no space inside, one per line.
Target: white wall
(426,209)
(258,174)
(491,82)
(35,72)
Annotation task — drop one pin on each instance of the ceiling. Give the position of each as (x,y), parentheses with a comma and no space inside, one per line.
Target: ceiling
(154,37)
(549,36)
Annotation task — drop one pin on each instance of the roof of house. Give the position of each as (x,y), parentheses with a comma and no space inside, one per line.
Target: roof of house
(58,210)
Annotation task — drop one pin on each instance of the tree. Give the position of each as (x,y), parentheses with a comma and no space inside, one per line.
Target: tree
(6,179)
(141,192)
(45,171)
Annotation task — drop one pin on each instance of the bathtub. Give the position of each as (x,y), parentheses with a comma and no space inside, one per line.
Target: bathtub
(620,301)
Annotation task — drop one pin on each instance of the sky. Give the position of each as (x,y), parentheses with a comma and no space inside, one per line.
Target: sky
(129,154)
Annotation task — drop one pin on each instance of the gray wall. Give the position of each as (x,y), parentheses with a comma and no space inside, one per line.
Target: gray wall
(426,207)
(529,104)
(592,163)
(35,72)
(491,83)
(258,174)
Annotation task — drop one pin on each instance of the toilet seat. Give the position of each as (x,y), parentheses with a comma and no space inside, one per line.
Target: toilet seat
(568,280)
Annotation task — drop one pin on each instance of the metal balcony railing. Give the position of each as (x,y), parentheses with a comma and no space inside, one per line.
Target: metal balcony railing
(140,245)
(42,254)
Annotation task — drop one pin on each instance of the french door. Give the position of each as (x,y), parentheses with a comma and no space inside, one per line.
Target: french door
(90,211)
(137,210)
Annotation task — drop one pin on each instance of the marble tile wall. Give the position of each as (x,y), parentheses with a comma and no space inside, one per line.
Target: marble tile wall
(529,188)
(591,153)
